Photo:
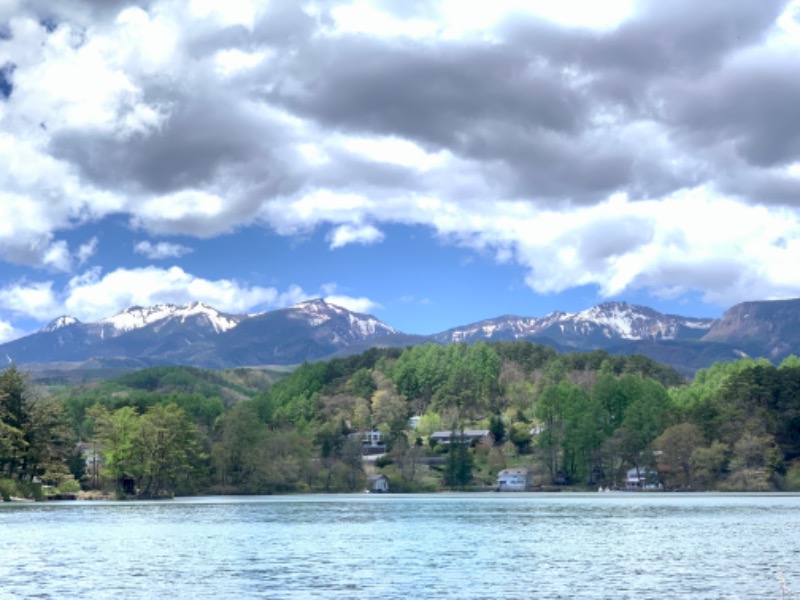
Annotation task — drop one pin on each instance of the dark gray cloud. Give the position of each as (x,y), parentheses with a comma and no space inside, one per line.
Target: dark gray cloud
(282,26)
(479,102)
(553,114)
(682,37)
(80,12)
(761,185)
(753,106)
(432,93)
(202,138)
(6,83)
(550,105)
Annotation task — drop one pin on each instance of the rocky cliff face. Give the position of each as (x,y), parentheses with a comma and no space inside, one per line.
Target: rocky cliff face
(768,328)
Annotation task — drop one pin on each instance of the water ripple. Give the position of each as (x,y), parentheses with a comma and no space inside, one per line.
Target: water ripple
(445,546)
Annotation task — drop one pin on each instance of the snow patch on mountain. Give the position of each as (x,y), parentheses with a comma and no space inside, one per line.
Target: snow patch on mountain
(60,323)
(138,317)
(315,312)
(368,326)
(216,319)
(613,320)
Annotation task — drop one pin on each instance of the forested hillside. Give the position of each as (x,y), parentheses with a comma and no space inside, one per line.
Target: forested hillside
(579,419)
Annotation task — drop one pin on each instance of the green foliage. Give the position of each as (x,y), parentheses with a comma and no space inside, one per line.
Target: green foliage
(573,430)
(458,375)
(680,453)
(497,429)
(792,482)
(148,455)
(362,384)
(9,488)
(179,430)
(428,423)
(35,439)
(460,462)
(529,356)
(520,435)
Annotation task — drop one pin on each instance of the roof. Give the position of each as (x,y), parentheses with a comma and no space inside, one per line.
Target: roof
(466,433)
(514,471)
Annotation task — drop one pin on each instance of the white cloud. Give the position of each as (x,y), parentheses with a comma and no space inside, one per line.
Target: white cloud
(161,250)
(8,332)
(230,12)
(359,304)
(364,17)
(395,151)
(359,234)
(307,211)
(87,250)
(452,19)
(233,61)
(329,292)
(99,82)
(57,256)
(193,212)
(31,299)
(93,295)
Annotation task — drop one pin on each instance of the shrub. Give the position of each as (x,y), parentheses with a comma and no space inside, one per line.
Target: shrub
(8,488)
(792,481)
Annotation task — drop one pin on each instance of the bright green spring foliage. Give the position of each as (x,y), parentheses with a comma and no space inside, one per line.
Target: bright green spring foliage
(149,455)
(578,419)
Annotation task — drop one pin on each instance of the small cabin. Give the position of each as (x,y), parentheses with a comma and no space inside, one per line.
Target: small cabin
(377,484)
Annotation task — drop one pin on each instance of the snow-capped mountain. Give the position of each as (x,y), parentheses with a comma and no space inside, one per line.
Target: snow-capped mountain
(600,326)
(199,335)
(138,317)
(59,323)
(306,331)
(358,326)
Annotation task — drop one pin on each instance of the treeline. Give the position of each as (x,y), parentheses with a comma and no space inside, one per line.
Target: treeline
(35,440)
(580,419)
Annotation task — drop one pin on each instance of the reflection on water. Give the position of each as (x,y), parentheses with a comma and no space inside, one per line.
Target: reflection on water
(444,546)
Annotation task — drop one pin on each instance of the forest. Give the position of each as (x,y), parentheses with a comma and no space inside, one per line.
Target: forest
(576,421)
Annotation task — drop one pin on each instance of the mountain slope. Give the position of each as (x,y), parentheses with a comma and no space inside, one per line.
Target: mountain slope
(601,326)
(768,328)
(199,335)
(307,331)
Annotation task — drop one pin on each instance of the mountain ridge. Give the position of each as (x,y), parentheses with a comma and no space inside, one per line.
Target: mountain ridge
(196,334)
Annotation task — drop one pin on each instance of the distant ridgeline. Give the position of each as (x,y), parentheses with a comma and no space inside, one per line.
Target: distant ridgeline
(201,336)
(581,420)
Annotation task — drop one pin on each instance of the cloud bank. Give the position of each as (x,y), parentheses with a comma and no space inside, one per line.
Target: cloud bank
(654,146)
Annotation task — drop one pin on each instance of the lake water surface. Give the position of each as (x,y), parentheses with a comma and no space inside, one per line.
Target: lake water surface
(422,546)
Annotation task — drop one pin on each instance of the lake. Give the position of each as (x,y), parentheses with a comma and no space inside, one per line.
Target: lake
(406,546)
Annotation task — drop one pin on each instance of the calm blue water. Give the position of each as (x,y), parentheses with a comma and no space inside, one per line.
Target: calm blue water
(423,546)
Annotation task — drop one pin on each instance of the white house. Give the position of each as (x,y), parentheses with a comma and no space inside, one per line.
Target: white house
(377,484)
(514,480)
(641,478)
(371,441)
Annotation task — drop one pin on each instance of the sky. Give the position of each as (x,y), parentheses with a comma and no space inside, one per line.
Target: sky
(432,163)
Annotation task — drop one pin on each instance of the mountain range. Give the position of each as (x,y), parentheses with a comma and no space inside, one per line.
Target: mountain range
(199,335)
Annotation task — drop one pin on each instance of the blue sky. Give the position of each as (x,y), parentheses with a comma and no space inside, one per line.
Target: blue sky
(430,162)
